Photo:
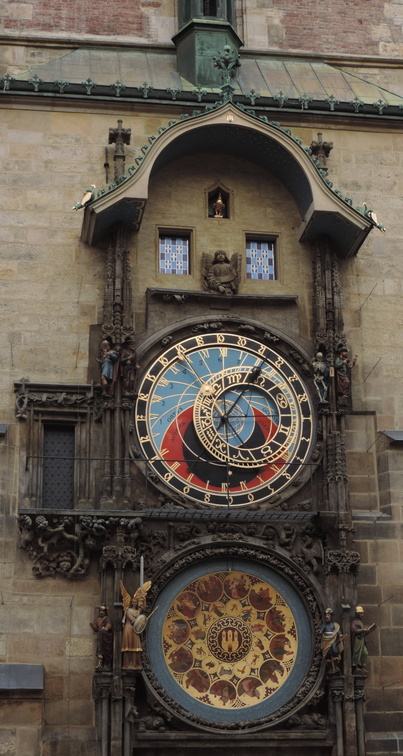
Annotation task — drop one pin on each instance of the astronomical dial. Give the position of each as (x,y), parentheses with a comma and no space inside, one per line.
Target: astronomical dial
(224,420)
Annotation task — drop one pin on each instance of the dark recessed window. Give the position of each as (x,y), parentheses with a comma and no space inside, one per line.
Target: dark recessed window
(58,467)
(209,7)
(260,259)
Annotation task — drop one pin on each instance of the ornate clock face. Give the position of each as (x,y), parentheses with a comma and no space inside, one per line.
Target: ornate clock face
(230,640)
(232,643)
(224,420)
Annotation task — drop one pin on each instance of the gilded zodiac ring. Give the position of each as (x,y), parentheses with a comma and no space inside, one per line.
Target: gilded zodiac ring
(225,419)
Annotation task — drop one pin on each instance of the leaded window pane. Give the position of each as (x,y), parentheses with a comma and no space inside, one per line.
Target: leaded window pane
(174,255)
(260,262)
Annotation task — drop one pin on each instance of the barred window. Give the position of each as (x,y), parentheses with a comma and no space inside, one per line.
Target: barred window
(260,259)
(58,466)
(173,255)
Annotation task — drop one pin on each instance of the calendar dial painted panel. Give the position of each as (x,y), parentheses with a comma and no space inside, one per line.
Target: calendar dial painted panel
(224,420)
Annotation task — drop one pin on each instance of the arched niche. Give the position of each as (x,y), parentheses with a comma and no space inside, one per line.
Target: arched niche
(219,192)
(227,129)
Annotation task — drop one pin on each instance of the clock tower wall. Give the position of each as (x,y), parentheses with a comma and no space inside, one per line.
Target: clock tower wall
(214,358)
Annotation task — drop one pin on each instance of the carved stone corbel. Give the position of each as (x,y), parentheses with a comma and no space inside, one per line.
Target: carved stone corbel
(341,561)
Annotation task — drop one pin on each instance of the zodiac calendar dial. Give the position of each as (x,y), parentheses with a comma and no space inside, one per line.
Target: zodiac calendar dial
(230,640)
(224,420)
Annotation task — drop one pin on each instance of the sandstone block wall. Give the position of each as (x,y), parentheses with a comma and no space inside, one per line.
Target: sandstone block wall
(51,288)
(349,27)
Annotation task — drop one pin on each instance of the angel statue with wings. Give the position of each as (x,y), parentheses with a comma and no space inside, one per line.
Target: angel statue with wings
(134,622)
(221,274)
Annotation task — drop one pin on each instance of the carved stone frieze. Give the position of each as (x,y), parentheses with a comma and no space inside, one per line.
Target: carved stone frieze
(341,561)
(45,396)
(130,712)
(62,544)
(327,301)
(117,314)
(117,556)
(101,688)
(152,723)
(312,721)
(336,457)
(297,357)
(303,541)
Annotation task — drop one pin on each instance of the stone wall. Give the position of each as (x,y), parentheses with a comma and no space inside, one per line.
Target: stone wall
(51,288)
(349,27)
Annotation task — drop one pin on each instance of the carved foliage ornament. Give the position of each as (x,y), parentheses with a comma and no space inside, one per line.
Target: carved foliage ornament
(62,544)
(342,561)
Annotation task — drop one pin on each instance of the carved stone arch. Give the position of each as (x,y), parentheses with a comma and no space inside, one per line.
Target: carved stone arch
(198,561)
(229,129)
(292,347)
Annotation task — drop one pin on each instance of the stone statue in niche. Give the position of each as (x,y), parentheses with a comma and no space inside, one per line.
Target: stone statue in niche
(107,359)
(332,641)
(128,367)
(359,650)
(321,377)
(134,622)
(219,207)
(103,626)
(343,367)
(220,274)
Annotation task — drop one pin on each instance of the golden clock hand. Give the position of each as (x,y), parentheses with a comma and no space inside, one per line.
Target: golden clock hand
(251,378)
(226,423)
(193,369)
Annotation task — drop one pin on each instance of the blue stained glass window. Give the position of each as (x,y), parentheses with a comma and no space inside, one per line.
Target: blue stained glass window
(174,255)
(260,262)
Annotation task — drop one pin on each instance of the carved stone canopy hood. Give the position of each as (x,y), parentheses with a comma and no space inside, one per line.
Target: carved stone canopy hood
(230,128)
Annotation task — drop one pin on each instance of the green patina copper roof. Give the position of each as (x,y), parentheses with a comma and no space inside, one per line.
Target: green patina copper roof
(283,80)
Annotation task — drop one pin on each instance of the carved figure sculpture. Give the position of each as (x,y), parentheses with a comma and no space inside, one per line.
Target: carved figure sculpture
(221,274)
(321,377)
(359,650)
(133,613)
(219,207)
(128,367)
(343,369)
(106,360)
(227,61)
(332,641)
(103,626)
(88,196)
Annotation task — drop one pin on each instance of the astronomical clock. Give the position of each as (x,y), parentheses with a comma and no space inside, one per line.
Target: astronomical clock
(226,435)
(224,420)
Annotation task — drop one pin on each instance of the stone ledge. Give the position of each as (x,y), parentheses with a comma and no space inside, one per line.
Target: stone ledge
(381,743)
(19,677)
